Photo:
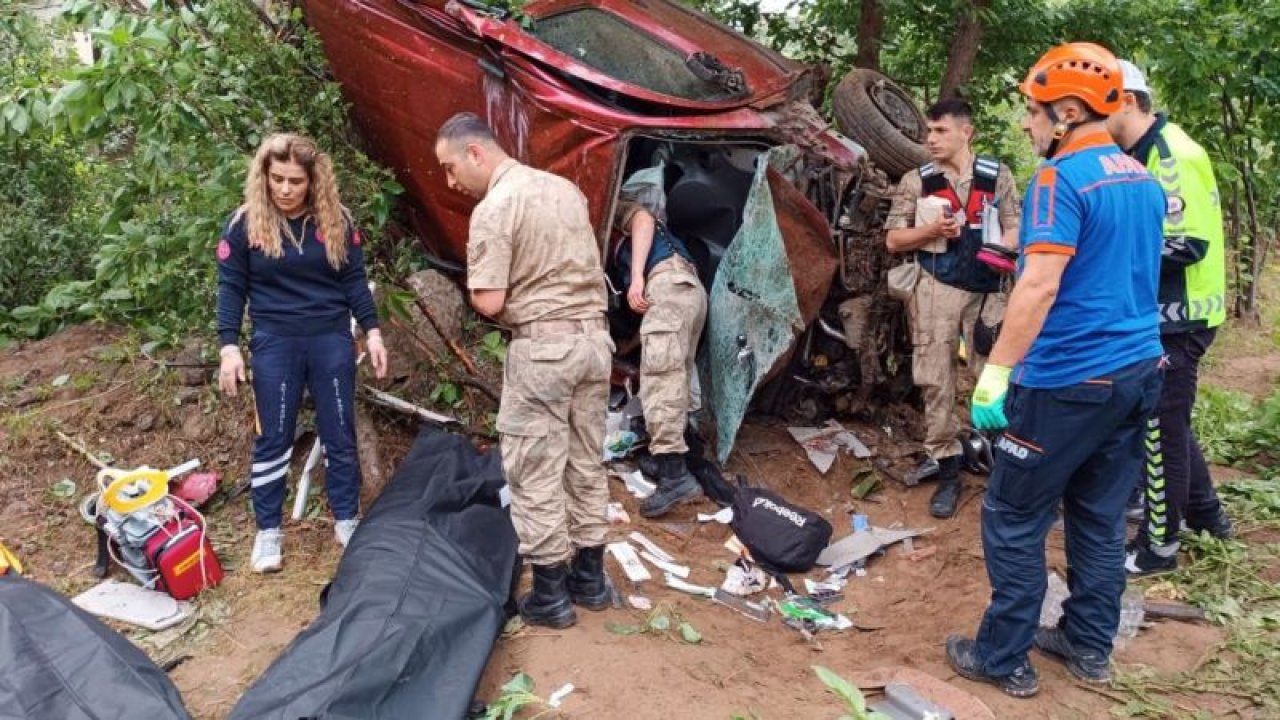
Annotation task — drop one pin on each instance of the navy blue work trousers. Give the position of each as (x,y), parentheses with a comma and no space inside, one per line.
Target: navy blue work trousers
(282,367)
(1080,445)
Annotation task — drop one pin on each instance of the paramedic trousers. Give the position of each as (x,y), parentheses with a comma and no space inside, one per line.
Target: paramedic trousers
(282,367)
(1177,479)
(555,394)
(1080,446)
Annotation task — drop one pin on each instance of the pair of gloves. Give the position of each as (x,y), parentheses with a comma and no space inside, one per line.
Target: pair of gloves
(986,410)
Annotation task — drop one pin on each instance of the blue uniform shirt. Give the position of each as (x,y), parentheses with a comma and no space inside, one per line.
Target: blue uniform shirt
(298,294)
(1101,207)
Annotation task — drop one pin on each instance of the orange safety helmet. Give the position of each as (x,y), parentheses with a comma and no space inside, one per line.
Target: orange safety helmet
(1081,70)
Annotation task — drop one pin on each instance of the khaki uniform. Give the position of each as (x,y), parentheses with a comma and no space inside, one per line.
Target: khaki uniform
(939,313)
(669,334)
(531,236)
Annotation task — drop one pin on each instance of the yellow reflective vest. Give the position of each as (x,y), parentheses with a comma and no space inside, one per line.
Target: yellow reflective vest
(1193,267)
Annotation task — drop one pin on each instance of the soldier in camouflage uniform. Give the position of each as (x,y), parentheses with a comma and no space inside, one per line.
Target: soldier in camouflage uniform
(662,285)
(534,265)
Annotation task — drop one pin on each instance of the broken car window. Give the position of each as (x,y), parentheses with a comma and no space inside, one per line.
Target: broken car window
(609,44)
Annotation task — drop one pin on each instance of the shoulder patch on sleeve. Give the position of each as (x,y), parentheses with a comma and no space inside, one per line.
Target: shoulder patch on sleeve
(224,250)
(1043,190)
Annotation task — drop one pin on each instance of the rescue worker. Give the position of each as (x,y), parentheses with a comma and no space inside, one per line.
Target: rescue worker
(533,264)
(954,287)
(1081,342)
(661,284)
(292,253)
(1192,306)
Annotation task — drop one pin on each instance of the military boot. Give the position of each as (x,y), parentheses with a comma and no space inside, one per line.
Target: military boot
(676,485)
(943,502)
(587,584)
(548,602)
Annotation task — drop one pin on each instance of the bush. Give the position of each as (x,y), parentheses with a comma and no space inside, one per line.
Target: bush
(182,97)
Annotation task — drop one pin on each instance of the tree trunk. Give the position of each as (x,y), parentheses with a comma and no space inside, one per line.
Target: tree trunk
(870,35)
(964,47)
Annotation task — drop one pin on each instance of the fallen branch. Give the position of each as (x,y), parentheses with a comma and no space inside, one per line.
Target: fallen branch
(1173,611)
(388,400)
(454,346)
(81,449)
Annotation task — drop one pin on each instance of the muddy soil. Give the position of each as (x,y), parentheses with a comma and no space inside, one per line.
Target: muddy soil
(85,382)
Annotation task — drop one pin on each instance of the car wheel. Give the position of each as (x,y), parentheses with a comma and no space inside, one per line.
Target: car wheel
(877,113)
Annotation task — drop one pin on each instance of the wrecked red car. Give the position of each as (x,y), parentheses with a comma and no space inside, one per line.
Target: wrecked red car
(782,213)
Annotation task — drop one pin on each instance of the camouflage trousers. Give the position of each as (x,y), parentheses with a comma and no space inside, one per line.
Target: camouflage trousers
(555,394)
(939,315)
(669,336)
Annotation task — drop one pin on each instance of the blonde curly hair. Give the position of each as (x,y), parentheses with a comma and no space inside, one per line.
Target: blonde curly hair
(266,224)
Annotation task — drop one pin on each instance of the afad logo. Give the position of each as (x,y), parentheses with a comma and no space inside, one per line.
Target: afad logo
(224,250)
(1019,451)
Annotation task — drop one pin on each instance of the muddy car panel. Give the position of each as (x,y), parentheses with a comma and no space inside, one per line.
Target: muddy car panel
(407,66)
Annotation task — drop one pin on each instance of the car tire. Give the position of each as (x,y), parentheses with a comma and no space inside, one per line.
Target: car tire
(874,111)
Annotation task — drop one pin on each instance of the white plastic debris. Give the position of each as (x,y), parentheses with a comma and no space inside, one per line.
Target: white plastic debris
(831,584)
(678,584)
(133,604)
(663,565)
(616,514)
(724,516)
(742,581)
(821,445)
(639,602)
(555,698)
(638,538)
(638,486)
(629,560)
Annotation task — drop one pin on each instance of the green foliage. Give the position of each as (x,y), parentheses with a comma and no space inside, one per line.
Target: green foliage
(181,99)
(1233,430)
(47,234)
(855,705)
(663,621)
(516,695)
(494,346)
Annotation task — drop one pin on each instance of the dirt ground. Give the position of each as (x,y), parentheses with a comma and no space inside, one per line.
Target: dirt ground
(86,382)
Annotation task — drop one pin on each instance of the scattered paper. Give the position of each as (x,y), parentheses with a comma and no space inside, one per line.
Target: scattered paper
(831,584)
(638,538)
(678,584)
(674,569)
(558,696)
(639,602)
(616,514)
(860,545)
(724,516)
(638,486)
(629,560)
(821,445)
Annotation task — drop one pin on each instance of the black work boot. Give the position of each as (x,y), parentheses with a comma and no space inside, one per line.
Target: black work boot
(676,485)
(945,497)
(963,658)
(1220,527)
(648,465)
(548,602)
(1091,667)
(587,584)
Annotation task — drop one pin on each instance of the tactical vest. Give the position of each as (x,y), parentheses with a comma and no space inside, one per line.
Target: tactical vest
(959,265)
(1194,296)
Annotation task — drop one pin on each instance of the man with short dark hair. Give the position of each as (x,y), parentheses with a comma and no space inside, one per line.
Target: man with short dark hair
(1177,485)
(1071,381)
(533,264)
(955,290)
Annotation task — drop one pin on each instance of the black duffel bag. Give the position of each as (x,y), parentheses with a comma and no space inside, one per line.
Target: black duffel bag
(781,536)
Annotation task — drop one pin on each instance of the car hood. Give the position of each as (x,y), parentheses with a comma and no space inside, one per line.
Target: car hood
(652,51)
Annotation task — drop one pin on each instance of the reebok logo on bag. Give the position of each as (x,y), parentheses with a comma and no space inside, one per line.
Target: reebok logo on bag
(781,536)
(785,512)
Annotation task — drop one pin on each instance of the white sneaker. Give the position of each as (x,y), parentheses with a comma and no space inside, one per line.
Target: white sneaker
(344,529)
(268,555)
